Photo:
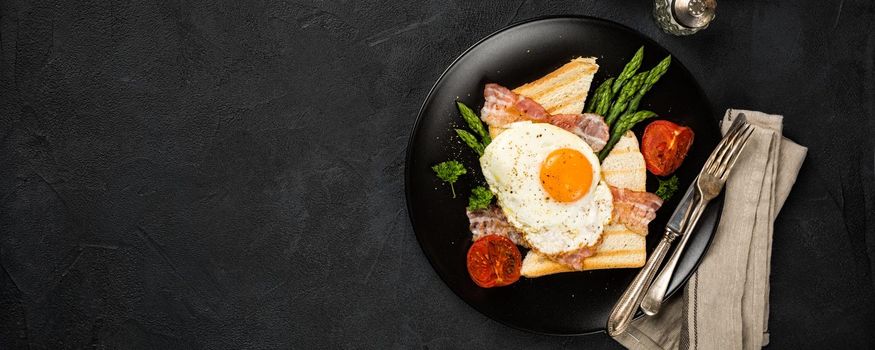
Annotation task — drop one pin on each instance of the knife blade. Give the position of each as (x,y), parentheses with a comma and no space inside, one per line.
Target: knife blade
(621,314)
(678,219)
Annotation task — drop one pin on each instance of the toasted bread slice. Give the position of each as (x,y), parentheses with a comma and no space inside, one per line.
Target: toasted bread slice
(562,91)
(624,167)
(620,247)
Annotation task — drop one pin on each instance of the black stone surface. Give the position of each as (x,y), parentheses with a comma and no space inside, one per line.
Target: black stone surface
(229,174)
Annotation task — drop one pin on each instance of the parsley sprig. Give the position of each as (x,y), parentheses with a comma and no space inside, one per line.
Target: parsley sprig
(480,198)
(667,188)
(449,172)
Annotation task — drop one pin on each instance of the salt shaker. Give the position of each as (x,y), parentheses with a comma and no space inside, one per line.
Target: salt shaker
(684,17)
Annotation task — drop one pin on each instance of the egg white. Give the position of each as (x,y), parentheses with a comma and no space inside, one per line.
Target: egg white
(511,165)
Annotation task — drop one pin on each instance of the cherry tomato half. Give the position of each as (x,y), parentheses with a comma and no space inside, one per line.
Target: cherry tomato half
(665,145)
(494,261)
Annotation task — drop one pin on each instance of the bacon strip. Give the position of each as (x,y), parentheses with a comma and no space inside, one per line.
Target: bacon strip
(590,127)
(575,260)
(634,209)
(491,221)
(503,107)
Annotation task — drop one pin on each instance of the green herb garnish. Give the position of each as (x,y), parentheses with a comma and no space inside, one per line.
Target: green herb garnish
(449,172)
(667,188)
(480,198)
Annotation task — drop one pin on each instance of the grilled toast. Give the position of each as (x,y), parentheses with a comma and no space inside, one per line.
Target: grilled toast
(562,91)
(620,248)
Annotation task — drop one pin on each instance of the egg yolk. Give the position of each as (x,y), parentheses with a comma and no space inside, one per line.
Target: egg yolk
(566,175)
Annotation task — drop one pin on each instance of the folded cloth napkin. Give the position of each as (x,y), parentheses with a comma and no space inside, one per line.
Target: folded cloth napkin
(725,304)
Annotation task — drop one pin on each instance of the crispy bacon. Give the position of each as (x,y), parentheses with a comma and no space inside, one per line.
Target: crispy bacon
(575,260)
(491,221)
(634,209)
(503,107)
(590,127)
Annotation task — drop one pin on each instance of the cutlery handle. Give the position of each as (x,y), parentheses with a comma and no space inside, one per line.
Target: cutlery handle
(624,310)
(653,299)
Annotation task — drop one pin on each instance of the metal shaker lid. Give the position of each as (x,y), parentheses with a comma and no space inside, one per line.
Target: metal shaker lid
(694,13)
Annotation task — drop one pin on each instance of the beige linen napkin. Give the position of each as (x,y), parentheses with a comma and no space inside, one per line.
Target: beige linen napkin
(725,304)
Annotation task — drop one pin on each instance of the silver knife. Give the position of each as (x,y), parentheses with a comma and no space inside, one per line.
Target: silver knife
(621,314)
(678,223)
(679,219)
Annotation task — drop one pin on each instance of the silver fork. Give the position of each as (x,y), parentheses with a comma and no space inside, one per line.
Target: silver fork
(716,170)
(708,185)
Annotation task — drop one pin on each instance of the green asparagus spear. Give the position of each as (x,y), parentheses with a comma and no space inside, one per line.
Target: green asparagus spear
(604,102)
(652,77)
(598,94)
(622,126)
(471,141)
(629,70)
(622,100)
(474,122)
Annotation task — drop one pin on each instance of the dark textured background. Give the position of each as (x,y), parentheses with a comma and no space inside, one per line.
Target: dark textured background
(229,174)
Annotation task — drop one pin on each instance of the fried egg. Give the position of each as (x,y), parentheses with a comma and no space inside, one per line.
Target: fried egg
(546,180)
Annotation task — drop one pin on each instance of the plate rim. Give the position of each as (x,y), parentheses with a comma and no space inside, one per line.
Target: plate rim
(429,96)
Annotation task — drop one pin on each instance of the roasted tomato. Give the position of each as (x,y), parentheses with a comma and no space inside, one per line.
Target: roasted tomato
(494,261)
(665,145)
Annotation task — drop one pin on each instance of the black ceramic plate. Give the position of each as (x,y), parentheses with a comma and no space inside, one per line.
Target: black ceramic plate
(569,303)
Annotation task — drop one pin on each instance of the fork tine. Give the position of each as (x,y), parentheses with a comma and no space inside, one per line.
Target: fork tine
(724,143)
(736,153)
(721,154)
(723,169)
(713,156)
(720,165)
